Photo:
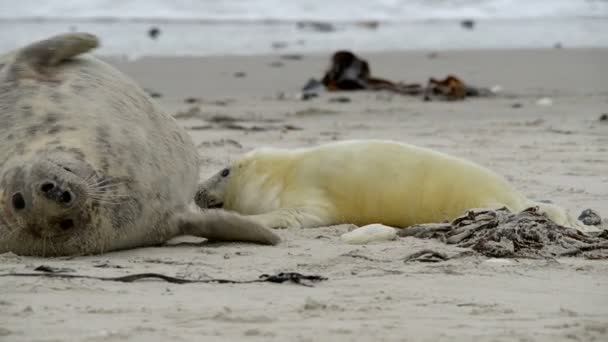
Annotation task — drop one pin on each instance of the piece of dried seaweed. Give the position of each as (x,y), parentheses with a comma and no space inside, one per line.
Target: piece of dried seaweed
(502,234)
(293,277)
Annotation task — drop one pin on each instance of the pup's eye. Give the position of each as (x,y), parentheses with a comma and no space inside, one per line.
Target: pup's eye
(225,172)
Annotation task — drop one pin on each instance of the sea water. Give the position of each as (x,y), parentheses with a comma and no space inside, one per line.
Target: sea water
(222,27)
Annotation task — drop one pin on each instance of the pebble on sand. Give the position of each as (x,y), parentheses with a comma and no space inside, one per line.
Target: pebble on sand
(370,233)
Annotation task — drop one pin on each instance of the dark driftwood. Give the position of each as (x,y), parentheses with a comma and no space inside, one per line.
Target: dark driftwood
(500,233)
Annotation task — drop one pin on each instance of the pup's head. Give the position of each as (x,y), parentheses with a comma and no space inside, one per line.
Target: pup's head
(211,193)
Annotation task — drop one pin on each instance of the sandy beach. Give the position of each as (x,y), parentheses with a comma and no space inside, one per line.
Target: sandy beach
(555,149)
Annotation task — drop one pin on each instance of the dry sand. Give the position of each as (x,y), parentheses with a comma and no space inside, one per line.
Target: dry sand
(557,152)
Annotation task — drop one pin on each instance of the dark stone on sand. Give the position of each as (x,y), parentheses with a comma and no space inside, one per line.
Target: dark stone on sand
(468,24)
(590,217)
(318,26)
(292,57)
(153,93)
(308,96)
(154,32)
(340,99)
(517,105)
(432,55)
(240,74)
(371,24)
(191,100)
(279,45)
(604,117)
(312,84)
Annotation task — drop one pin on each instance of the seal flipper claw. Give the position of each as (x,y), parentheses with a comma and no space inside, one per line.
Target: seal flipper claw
(221,225)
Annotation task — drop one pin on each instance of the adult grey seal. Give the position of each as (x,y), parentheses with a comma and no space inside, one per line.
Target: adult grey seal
(90,164)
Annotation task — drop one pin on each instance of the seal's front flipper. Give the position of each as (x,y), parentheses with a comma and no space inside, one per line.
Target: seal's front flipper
(34,60)
(221,225)
(293,218)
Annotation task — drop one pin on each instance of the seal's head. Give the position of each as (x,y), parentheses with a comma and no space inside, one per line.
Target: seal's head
(48,199)
(211,193)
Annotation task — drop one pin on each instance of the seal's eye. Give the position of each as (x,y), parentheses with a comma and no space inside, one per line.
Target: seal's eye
(225,172)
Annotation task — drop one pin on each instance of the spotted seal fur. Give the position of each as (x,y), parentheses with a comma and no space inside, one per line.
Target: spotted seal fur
(90,164)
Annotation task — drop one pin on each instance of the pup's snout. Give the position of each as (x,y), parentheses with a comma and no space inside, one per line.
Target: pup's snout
(54,192)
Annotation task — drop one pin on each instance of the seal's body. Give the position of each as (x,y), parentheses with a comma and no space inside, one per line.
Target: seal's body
(90,164)
(359,182)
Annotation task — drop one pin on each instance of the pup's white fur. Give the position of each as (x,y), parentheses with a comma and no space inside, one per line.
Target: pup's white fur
(361,182)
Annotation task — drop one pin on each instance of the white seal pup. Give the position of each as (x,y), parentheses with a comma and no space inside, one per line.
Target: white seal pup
(360,182)
(90,164)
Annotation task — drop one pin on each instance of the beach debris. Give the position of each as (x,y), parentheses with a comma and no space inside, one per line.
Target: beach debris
(154,32)
(497,88)
(199,127)
(315,112)
(468,24)
(348,72)
(107,264)
(590,217)
(279,278)
(559,131)
(432,55)
(340,99)
(604,117)
(50,269)
(239,74)
(192,100)
(228,122)
(544,101)
(190,113)
(220,118)
(221,143)
(313,88)
(318,26)
(292,57)
(368,24)
(451,88)
(426,255)
(370,233)
(292,277)
(517,105)
(153,93)
(502,234)
(279,45)
(305,96)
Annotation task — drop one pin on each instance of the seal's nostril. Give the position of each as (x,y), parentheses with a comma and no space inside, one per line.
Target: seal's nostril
(18,201)
(66,197)
(46,187)
(66,224)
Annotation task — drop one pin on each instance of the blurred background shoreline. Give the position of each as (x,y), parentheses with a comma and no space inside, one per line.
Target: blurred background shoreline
(238,27)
